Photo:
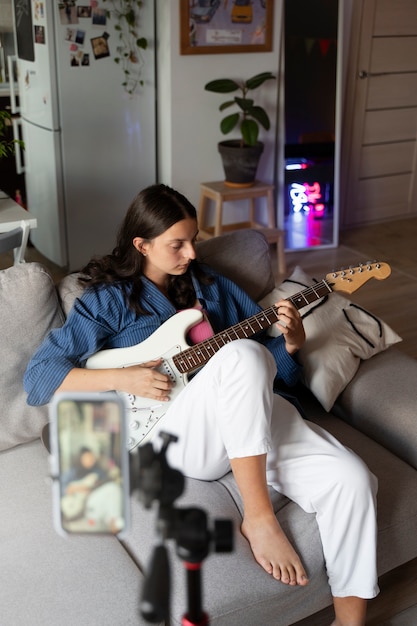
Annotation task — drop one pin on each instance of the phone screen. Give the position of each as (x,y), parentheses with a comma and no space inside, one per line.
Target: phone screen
(90,457)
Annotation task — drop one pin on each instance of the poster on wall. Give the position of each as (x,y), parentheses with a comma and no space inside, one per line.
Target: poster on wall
(225,26)
(24,30)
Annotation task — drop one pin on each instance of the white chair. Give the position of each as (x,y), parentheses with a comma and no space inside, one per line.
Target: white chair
(15,240)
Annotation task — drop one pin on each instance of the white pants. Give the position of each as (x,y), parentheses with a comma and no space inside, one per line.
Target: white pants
(228,410)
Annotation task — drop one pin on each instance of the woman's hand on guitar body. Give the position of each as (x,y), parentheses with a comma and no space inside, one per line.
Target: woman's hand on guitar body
(145,380)
(291,325)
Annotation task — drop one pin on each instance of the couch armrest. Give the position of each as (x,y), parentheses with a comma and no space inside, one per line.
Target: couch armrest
(381,401)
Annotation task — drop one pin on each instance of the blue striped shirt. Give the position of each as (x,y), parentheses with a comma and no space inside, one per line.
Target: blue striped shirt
(101,319)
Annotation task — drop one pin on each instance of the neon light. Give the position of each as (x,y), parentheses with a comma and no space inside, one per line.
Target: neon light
(305,197)
(298,197)
(296,166)
(313,192)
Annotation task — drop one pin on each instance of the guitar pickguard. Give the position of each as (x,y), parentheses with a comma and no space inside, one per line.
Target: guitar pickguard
(143,414)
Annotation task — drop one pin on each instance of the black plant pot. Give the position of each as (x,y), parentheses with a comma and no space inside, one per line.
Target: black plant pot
(240,163)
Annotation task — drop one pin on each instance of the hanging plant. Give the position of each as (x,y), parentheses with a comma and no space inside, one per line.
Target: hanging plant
(126,14)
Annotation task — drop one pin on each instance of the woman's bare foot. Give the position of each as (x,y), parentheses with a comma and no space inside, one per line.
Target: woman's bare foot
(273,551)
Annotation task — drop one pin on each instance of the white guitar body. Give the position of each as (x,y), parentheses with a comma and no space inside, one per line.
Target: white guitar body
(144,413)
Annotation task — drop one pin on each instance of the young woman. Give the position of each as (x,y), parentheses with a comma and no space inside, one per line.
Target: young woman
(227,417)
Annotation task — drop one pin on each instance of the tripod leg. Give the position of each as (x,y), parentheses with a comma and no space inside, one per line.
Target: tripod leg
(195,615)
(155,602)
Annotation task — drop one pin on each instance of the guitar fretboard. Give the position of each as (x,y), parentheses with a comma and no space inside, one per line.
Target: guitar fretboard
(196,356)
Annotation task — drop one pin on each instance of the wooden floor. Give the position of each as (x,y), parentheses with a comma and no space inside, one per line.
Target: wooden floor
(395,301)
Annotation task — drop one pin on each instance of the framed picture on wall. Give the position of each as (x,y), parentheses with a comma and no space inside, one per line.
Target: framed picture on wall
(225,26)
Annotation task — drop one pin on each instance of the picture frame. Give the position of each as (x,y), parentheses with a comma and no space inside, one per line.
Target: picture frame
(225,26)
(100,47)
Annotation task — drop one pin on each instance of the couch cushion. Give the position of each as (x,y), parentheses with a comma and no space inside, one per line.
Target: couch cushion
(29,308)
(236,590)
(381,401)
(254,271)
(46,580)
(338,335)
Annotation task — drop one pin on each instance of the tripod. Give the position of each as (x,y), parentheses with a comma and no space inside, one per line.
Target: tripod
(157,481)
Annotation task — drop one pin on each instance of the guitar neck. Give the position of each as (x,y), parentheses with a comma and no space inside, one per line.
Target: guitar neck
(196,356)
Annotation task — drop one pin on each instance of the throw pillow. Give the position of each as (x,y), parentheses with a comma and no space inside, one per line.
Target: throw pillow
(68,290)
(338,335)
(29,308)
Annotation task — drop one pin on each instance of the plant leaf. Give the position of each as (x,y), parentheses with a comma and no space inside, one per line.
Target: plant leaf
(261,116)
(228,123)
(226,105)
(245,103)
(256,81)
(250,131)
(222,85)
(142,42)
(130,17)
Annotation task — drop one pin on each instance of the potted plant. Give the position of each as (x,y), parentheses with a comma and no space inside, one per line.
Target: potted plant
(241,156)
(7,145)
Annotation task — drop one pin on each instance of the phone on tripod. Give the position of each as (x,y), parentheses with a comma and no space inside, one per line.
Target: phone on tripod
(89,463)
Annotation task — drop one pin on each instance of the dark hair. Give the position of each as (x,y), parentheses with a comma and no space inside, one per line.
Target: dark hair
(151,213)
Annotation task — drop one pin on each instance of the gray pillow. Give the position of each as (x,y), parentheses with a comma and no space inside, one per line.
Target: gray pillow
(29,308)
(244,257)
(68,290)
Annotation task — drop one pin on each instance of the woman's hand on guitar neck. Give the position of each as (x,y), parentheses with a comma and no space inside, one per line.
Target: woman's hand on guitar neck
(291,326)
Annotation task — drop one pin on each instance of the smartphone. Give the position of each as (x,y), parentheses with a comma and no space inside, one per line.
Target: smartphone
(89,463)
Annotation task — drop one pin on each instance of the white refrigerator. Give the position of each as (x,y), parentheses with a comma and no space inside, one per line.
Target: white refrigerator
(89,145)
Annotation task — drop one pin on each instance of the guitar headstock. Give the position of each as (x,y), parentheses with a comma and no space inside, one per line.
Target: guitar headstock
(350,279)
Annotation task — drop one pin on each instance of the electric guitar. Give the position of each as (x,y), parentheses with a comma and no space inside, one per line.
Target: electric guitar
(73,504)
(182,359)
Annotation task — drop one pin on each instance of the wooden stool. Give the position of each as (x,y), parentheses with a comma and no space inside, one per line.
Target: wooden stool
(219,193)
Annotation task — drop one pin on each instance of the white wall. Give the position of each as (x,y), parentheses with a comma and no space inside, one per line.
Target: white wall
(188,116)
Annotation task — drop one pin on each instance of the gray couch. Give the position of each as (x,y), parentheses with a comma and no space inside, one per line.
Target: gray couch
(47,580)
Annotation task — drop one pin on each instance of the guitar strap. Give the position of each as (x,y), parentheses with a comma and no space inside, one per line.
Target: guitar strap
(201,331)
